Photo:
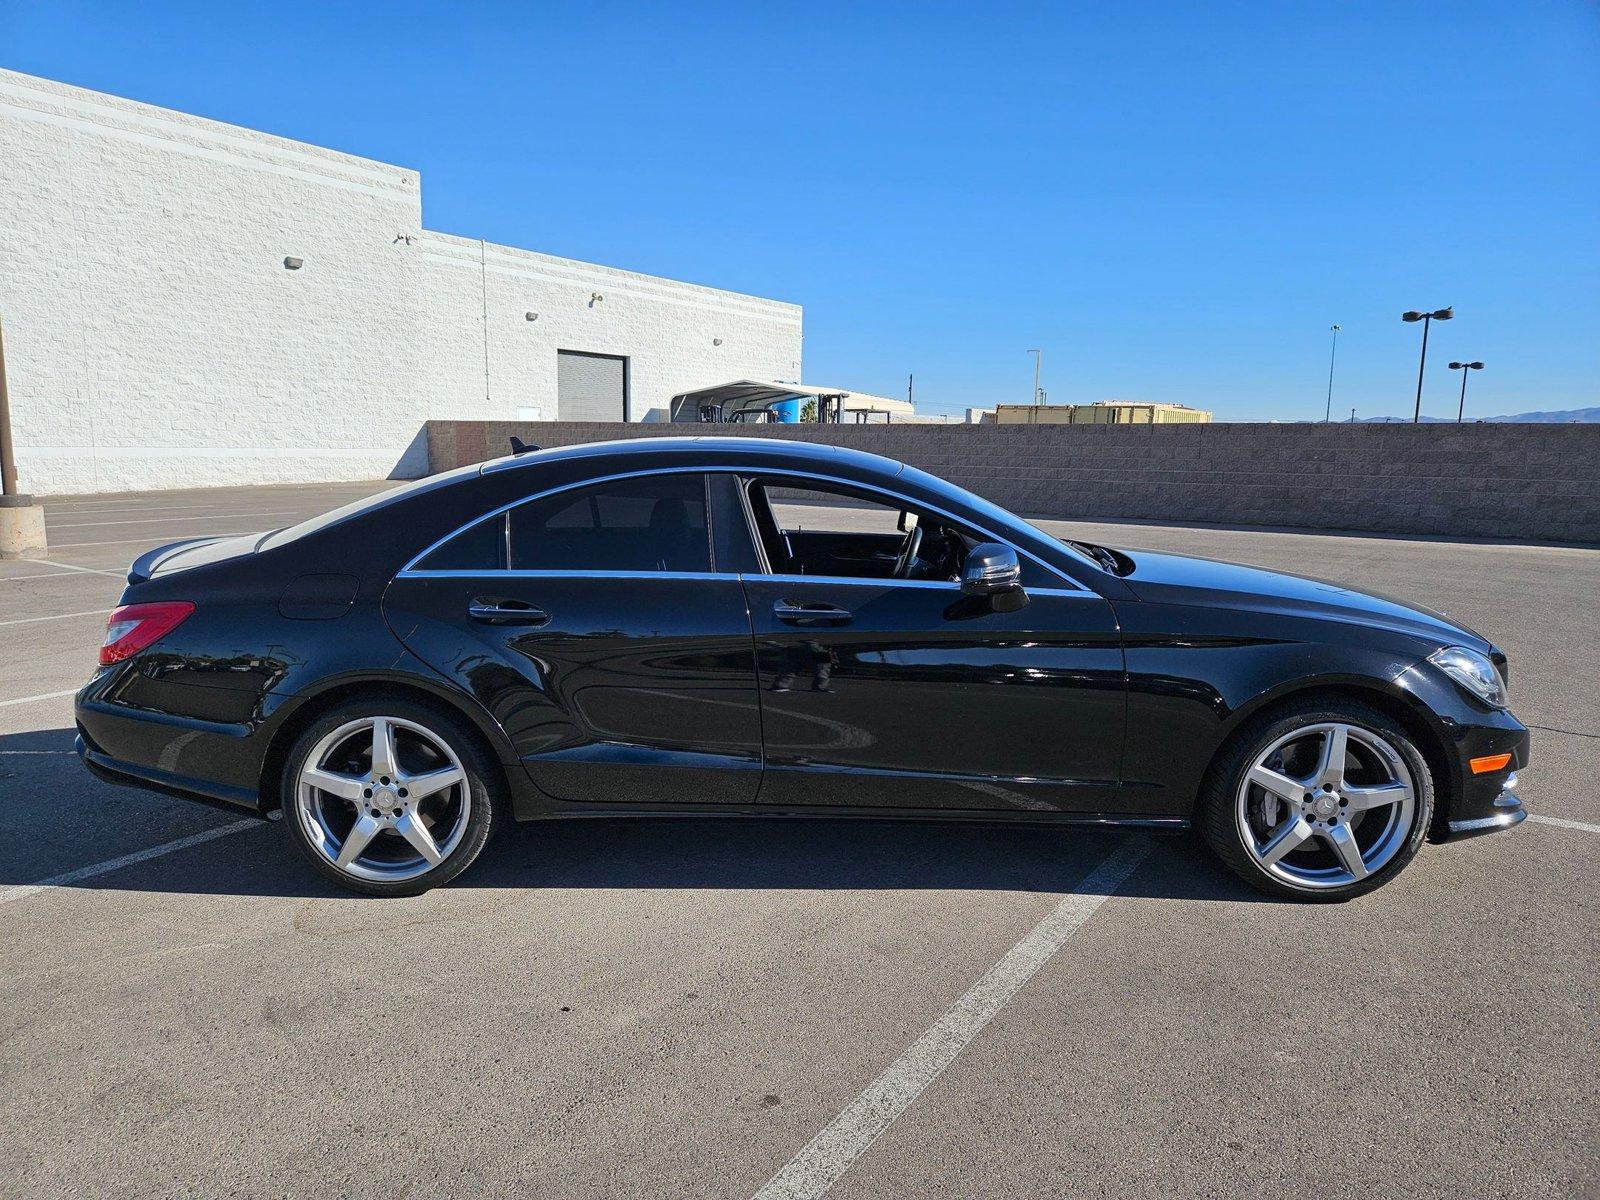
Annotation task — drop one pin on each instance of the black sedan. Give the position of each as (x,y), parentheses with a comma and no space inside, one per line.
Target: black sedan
(757,626)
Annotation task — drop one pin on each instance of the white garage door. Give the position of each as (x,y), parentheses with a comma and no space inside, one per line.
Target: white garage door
(591,387)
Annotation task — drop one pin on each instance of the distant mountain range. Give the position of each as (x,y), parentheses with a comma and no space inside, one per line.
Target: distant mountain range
(1565,417)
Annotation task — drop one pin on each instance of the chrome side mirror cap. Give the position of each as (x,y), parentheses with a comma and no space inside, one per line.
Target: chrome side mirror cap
(991,570)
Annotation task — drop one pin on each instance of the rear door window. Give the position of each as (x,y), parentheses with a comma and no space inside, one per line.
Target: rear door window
(645,524)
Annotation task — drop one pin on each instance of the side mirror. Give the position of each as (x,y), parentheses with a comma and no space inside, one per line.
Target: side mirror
(991,570)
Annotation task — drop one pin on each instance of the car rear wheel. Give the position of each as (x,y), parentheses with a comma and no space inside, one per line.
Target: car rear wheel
(389,798)
(1322,801)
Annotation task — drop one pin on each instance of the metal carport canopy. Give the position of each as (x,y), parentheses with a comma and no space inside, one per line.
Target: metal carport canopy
(756,392)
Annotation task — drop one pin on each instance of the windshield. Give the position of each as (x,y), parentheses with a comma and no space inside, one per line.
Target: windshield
(997,517)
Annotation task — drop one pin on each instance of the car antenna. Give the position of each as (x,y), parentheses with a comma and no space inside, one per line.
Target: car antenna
(518,446)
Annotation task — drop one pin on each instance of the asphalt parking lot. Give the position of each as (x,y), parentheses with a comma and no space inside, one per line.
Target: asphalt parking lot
(724,1009)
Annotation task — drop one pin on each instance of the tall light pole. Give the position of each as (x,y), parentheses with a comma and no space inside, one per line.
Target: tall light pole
(1443,314)
(1464,368)
(1328,415)
(1038,361)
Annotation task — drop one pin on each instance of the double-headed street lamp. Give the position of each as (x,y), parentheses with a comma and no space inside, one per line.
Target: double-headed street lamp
(1443,314)
(1464,368)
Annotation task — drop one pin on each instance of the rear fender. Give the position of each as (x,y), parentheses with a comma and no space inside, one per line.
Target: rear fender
(292,713)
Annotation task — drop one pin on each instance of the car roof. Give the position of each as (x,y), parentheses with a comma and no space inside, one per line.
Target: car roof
(762,451)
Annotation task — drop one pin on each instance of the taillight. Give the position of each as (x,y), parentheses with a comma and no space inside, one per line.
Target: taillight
(132,627)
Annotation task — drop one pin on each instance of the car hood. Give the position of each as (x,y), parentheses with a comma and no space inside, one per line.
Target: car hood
(1180,579)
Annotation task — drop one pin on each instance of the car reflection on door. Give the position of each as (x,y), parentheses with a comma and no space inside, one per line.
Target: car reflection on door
(888,693)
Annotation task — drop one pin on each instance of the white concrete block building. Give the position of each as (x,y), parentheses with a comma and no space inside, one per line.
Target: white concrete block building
(187,303)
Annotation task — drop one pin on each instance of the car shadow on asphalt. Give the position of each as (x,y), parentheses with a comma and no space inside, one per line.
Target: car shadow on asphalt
(634,852)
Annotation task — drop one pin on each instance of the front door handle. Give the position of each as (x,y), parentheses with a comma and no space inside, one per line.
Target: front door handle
(507,612)
(810,612)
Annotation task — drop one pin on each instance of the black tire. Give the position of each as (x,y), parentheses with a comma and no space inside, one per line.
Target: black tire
(484,784)
(1217,814)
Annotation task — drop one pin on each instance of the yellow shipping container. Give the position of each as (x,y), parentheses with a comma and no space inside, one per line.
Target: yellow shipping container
(1101,412)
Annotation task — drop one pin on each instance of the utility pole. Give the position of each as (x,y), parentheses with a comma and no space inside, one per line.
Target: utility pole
(1038,362)
(1327,415)
(910,380)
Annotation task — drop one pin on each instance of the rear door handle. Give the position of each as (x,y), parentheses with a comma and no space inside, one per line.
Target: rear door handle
(810,612)
(507,612)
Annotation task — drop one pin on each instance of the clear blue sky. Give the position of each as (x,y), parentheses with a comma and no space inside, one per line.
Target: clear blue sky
(1173,201)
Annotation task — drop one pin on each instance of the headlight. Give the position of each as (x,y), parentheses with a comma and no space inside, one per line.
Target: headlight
(1472,671)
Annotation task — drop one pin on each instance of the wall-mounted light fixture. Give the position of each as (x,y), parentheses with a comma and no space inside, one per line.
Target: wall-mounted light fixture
(716,341)
(532,316)
(294,264)
(595,298)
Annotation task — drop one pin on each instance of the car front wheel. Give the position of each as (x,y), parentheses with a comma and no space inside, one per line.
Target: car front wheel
(389,798)
(1322,801)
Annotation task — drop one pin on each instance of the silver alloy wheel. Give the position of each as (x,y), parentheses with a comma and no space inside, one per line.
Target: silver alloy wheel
(383,799)
(1326,805)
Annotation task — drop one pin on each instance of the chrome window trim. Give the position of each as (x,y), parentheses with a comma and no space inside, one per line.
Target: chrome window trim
(411,571)
(853,580)
(752,471)
(1064,593)
(711,523)
(872,581)
(745,576)
(751,528)
(503,573)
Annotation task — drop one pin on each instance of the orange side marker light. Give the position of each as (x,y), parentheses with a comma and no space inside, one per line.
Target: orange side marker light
(1489,762)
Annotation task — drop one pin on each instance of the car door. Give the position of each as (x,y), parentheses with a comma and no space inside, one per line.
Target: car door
(595,626)
(891,693)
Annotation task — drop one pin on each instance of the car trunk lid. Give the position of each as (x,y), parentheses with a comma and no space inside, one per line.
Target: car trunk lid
(189,553)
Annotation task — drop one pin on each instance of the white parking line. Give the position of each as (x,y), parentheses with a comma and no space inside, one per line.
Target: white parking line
(75,510)
(832,1152)
(22,891)
(41,696)
(232,516)
(92,612)
(45,562)
(120,506)
(1585,826)
(150,541)
(42,575)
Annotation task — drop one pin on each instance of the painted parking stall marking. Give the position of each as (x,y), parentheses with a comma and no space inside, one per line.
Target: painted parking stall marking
(49,575)
(69,567)
(151,540)
(164,520)
(88,612)
(40,696)
(832,1152)
(1565,823)
(23,891)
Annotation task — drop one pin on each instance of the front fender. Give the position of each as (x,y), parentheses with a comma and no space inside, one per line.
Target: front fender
(1195,675)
